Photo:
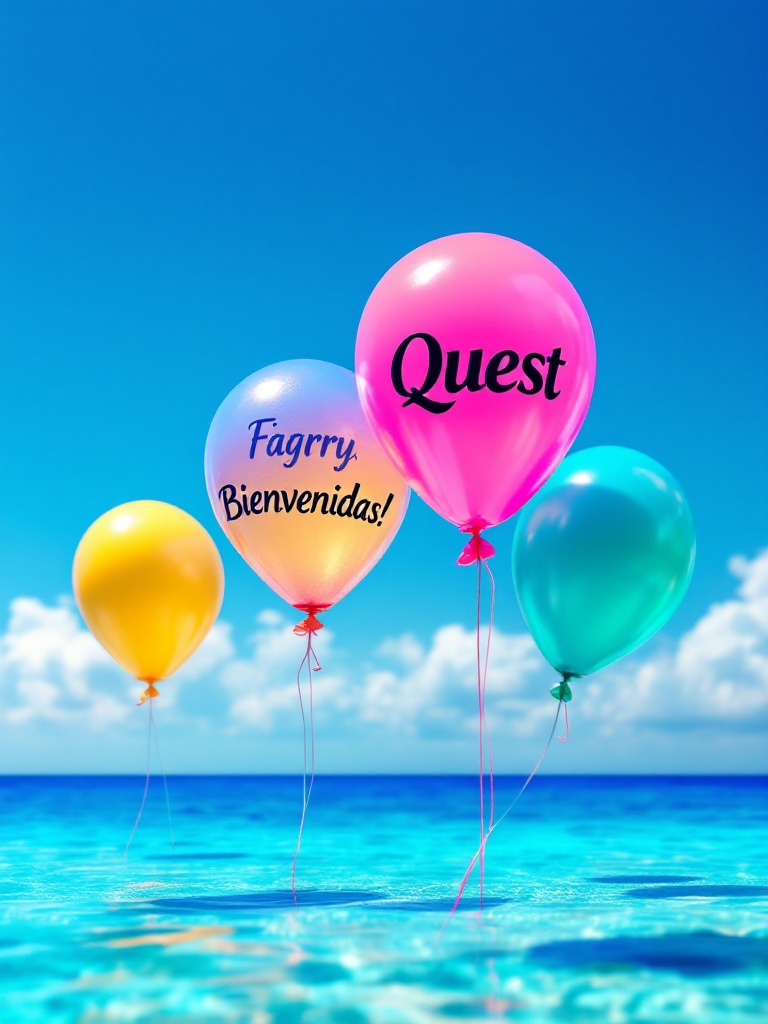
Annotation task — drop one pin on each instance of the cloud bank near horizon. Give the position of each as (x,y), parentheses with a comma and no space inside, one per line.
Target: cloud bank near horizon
(710,684)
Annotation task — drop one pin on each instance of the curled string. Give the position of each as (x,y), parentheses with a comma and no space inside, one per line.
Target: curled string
(146,781)
(480,852)
(308,627)
(564,739)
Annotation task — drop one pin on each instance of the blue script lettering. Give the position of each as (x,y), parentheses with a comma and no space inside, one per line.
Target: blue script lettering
(295,445)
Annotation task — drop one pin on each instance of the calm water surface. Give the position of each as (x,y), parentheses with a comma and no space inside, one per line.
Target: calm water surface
(610,899)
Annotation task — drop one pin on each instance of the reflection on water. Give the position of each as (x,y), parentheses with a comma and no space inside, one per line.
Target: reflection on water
(656,912)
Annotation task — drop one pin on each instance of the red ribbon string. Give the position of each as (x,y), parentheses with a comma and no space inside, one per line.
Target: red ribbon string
(477,549)
(310,625)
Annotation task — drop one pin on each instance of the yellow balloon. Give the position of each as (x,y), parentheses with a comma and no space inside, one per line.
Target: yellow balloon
(149,582)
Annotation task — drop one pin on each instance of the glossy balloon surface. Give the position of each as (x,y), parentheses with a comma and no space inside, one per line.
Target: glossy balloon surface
(149,582)
(296,431)
(506,348)
(602,557)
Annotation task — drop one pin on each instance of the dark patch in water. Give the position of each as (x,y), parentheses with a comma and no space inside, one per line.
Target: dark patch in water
(442,906)
(643,879)
(671,892)
(196,856)
(694,953)
(281,899)
(320,972)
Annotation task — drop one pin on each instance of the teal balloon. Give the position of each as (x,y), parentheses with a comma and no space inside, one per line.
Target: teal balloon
(602,557)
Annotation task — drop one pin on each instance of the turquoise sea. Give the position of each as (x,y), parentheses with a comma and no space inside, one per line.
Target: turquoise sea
(607,899)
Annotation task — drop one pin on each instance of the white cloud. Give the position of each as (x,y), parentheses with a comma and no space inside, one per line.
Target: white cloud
(262,686)
(48,664)
(716,675)
(713,677)
(52,668)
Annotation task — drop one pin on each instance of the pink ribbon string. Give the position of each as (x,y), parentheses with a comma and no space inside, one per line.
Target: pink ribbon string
(479,550)
(564,739)
(307,627)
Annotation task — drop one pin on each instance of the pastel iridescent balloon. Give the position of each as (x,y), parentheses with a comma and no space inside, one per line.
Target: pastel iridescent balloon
(299,484)
(602,557)
(475,362)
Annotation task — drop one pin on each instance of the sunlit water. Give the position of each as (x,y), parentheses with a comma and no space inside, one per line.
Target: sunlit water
(607,899)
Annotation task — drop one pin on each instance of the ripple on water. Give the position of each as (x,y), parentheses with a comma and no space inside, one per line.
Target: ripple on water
(279,899)
(642,879)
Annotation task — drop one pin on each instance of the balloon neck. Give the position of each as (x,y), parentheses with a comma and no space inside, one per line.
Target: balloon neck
(312,609)
(150,692)
(477,549)
(310,625)
(563,691)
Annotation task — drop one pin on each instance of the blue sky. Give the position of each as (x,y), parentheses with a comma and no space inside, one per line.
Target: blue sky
(192,191)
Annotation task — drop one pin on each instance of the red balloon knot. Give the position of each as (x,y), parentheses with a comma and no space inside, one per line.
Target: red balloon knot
(477,549)
(309,625)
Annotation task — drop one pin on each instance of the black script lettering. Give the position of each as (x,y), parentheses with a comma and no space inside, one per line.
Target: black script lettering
(533,375)
(334,499)
(418,395)
(555,362)
(271,496)
(287,506)
(387,503)
(361,509)
(318,496)
(227,495)
(373,517)
(472,380)
(255,502)
(344,509)
(304,499)
(503,362)
(245,500)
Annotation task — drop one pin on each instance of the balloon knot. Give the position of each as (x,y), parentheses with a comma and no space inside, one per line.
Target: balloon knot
(150,692)
(309,625)
(562,691)
(477,549)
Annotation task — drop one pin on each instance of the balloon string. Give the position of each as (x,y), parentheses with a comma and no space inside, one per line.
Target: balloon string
(481,717)
(310,670)
(480,852)
(153,722)
(485,677)
(564,739)
(146,783)
(304,772)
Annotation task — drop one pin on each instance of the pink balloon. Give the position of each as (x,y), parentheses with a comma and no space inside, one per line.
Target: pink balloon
(475,364)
